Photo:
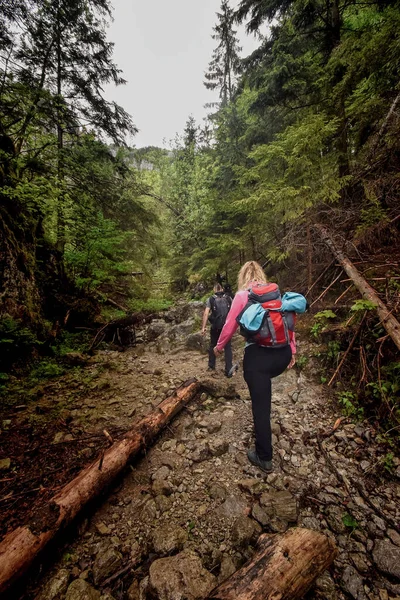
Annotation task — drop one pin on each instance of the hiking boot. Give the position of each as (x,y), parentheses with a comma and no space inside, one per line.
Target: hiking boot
(210,368)
(264,465)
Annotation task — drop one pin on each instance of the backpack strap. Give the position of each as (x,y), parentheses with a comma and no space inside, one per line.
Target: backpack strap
(229,300)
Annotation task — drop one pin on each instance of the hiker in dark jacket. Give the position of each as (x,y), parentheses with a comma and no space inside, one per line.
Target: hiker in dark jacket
(216,311)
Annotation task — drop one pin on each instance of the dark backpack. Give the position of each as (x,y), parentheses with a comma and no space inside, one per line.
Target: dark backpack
(263,321)
(220,306)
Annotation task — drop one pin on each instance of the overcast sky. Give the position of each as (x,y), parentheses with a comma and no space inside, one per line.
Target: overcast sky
(163,48)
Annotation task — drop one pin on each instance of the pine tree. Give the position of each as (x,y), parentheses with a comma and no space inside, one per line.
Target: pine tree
(67,60)
(225,62)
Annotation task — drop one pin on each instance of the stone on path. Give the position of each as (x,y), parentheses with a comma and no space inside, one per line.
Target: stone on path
(180,576)
(106,564)
(5,464)
(260,515)
(280,504)
(353,584)
(245,531)
(234,506)
(81,590)
(168,538)
(387,557)
(102,528)
(325,587)
(227,568)
(56,586)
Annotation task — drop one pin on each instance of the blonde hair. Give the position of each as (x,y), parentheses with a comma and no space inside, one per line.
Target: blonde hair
(251,271)
(218,288)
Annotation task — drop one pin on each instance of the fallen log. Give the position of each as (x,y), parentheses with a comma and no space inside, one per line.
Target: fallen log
(20,547)
(389,322)
(284,566)
(120,331)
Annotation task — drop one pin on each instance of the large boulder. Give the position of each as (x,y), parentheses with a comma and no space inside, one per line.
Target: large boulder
(175,335)
(185,310)
(155,329)
(197,341)
(180,576)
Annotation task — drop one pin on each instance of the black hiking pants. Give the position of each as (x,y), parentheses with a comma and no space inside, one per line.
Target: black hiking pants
(260,365)
(214,335)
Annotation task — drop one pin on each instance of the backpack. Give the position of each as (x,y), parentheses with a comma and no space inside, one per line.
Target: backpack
(220,306)
(268,319)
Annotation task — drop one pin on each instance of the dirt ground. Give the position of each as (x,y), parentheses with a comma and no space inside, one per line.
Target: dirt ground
(194,491)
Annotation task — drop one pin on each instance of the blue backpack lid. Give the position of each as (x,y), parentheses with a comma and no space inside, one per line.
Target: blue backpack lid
(294,302)
(252,317)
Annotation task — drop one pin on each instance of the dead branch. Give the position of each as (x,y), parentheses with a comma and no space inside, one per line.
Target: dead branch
(320,276)
(327,289)
(349,347)
(389,322)
(344,293)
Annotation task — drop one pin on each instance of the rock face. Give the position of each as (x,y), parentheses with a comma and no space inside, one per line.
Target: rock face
(387,558)
(185,310)
(175,335)
(81,590)
(180,576)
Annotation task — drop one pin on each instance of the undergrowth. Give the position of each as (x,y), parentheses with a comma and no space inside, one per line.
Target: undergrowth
(367,382)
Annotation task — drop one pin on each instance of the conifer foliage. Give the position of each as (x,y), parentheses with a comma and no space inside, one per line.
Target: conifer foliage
(69,203)
(225,63)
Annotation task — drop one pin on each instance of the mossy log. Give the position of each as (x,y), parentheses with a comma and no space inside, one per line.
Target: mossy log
(284,566)
(19,548)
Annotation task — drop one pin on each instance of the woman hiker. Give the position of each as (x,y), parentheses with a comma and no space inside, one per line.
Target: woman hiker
(260,364)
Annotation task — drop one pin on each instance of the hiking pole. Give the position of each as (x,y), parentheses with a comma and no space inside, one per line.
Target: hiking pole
(233,370)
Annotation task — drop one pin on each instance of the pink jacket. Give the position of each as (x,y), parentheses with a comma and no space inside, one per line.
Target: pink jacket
(238,304)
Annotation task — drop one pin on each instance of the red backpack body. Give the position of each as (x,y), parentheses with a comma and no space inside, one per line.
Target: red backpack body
(262,319)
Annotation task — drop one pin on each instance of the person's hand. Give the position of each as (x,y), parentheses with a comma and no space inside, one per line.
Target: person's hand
(203,331)
(216,351)
(292,362)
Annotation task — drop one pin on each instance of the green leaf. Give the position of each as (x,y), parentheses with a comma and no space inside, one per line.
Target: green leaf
(349,521)
(363,305)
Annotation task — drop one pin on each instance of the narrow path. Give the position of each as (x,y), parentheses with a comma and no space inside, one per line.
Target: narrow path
(195,489)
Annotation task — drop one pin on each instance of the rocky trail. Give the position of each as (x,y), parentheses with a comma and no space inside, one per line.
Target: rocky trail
(187,514)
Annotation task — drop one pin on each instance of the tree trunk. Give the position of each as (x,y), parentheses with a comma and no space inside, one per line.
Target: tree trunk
(19,294)
(60,144)
(284,567)
(389,322)
(19,548)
